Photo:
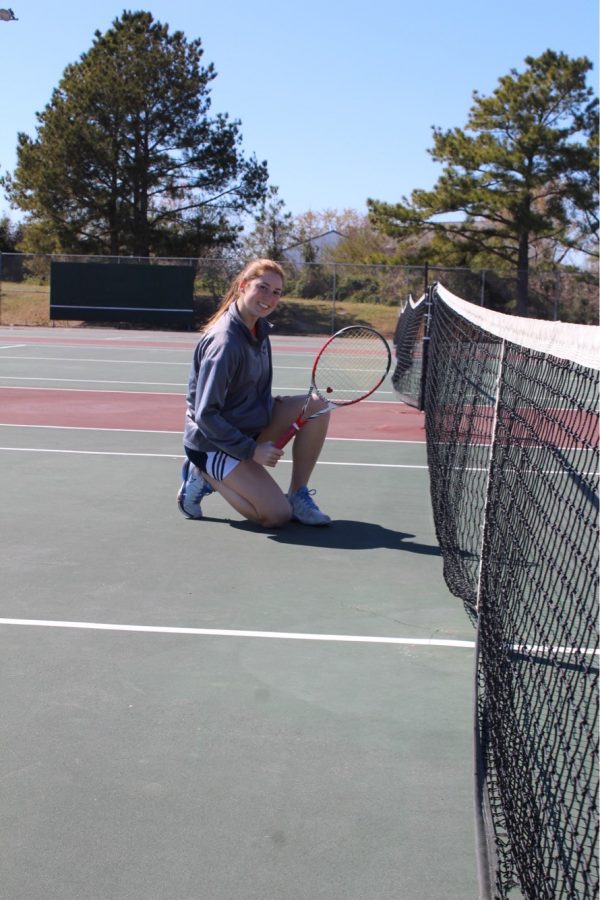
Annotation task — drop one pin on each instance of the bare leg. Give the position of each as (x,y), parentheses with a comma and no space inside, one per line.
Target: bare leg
(251,490)
(307,444)
(254,494)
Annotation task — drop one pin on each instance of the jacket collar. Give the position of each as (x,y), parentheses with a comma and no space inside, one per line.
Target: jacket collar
(263,327)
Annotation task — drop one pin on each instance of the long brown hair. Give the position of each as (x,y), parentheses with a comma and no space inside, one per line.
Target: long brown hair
(253,269)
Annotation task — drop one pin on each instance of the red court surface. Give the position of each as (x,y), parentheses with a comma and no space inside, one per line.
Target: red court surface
(165,412)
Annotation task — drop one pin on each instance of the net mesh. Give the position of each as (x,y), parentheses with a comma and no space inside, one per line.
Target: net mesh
(408,339)
(352,364)
(511,410)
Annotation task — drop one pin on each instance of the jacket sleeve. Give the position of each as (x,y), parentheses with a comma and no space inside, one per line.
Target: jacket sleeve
(218,365)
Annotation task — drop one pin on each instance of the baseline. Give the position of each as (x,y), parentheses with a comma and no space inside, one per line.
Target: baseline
(232,632)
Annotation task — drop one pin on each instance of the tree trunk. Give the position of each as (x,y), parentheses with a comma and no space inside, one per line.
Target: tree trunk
(113,219)
(523,276)
(141,239)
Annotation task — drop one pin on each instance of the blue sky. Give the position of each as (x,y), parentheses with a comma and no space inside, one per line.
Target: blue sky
(338,96)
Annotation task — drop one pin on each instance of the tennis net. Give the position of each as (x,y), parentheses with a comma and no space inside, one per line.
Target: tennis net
(407,377)
(511,410)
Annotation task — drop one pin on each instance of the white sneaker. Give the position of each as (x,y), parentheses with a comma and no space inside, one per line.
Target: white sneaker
(305,510)
(192,491)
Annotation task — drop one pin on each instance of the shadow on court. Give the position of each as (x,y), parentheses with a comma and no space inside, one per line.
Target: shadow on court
(345,534)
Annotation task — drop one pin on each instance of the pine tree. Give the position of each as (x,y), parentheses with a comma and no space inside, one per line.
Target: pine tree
(523,171)
(127,160)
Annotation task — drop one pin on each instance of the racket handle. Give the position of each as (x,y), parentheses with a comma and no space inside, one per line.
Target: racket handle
(286,437)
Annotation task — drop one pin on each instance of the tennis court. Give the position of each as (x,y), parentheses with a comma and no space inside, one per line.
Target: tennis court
(204,709)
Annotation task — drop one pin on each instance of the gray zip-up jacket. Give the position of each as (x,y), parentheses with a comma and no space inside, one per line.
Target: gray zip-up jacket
(229,399)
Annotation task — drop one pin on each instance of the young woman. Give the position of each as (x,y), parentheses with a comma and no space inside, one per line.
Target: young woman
(232,418)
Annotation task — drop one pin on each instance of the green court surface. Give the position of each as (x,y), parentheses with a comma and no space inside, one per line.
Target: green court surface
(206,710)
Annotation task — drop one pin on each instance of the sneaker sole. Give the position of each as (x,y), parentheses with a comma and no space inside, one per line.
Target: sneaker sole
(312,524)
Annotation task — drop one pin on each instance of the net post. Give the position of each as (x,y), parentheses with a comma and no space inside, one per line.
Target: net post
(333,293)
(488,482)
(429,293)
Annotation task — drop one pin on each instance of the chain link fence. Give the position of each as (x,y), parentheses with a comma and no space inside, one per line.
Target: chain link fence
(320,297)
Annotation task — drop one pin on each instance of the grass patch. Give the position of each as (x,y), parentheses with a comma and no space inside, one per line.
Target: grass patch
(28,304)
(296,316)
(24,304)
(320,317)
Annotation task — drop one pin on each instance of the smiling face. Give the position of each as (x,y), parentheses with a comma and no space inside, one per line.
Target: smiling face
(259,296)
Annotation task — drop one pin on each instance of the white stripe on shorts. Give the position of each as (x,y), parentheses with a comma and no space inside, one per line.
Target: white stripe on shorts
(220,464)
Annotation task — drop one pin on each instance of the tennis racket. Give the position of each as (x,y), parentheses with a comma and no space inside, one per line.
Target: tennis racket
(348,367)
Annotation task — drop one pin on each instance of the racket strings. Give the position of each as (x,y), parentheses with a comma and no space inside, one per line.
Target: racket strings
(351,365)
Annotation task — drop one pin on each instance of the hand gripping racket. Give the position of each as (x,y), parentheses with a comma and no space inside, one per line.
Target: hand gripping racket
(348,368)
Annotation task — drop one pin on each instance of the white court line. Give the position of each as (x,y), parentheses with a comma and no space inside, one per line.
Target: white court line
(322,462)
(87,359)
(95,343)
(174,347)
(127,362)
(17,387)
(92,428)
(292,636)
(227,632)
(180,384)
(161,431)
(121,362)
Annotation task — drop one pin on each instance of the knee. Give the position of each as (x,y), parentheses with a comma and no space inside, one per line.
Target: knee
(274,522)
(275,519)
